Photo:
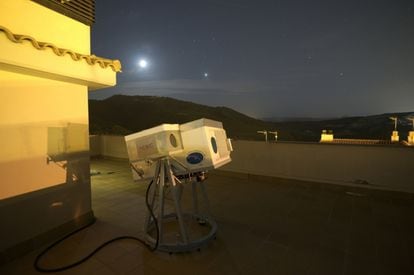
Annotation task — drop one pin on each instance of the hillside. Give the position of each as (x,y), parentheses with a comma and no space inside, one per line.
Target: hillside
(123,115)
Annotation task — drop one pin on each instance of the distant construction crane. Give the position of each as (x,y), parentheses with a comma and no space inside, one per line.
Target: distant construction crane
(395,119)
(394,136)
(264,132)
(274,133)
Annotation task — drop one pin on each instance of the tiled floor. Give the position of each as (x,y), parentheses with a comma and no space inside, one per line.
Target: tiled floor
(264,227)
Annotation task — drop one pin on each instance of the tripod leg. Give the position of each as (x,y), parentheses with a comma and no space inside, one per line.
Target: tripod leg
(161,200)
(177,202)
(195,199)
(156,182)
(205,197)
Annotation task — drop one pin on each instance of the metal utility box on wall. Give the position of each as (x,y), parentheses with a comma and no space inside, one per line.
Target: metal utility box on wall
(64,142)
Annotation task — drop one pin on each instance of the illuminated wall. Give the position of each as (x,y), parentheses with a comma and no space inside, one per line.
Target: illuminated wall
(37,125)
(27,17)
(46,71)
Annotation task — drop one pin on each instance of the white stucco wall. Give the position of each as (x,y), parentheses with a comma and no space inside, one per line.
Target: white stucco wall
(384,167)
(390,167)
(44,162)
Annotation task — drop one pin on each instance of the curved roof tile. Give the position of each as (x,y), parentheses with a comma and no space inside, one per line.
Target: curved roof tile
(90,59)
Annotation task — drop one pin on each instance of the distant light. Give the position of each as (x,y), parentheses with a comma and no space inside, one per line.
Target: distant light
(143,63)
(205,74)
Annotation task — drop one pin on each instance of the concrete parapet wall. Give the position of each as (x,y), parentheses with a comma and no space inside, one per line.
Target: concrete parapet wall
(383,167)
(108,146)
(389,167)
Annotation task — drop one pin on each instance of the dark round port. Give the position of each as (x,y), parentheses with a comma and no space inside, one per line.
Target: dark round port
(214,144)
(173,140)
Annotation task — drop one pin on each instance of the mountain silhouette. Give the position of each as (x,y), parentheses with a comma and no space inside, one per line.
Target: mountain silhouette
(122,115)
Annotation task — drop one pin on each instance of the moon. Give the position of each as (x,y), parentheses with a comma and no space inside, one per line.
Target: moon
(142,63)
(205,74)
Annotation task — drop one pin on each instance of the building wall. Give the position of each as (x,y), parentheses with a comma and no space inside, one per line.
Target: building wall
(44,151)
(34,125)
(383,167)
(29,18)
(44,161)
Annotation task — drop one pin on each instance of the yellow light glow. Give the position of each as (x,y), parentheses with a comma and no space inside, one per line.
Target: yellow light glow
(395,137)
(411,137)
(326,136)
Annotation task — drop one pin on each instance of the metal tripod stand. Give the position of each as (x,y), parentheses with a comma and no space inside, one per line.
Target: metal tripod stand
(176,229)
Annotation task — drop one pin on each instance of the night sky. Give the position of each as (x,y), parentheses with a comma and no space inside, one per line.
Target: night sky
(289,58)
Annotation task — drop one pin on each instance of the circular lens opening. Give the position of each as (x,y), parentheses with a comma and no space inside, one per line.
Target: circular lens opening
(195,158)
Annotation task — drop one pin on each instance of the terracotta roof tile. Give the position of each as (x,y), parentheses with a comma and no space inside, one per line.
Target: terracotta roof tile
(90,59)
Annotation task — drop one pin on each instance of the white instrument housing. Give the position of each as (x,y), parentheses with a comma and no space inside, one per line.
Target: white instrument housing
(196,146)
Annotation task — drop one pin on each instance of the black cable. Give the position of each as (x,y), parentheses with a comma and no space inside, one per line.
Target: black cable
(157,239)
(62,268)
